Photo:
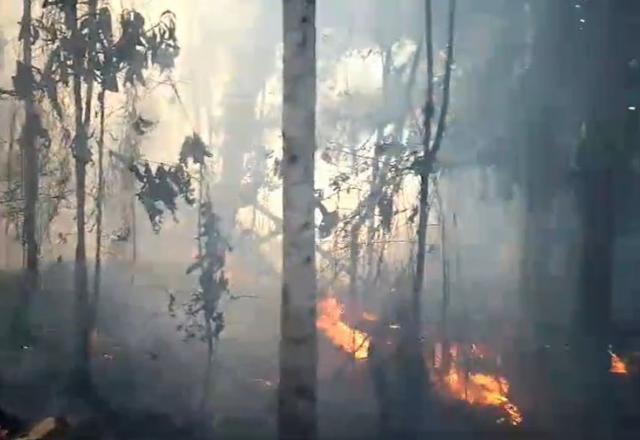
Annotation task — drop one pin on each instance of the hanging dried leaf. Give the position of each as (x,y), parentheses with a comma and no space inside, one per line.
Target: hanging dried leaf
(194,148)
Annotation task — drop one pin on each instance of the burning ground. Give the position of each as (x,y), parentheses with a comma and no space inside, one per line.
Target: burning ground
(469,374)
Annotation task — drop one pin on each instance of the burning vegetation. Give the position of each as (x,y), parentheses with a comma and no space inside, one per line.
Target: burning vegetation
(348,339)
(482,389)
(450,378)
(618,366)
(450,372)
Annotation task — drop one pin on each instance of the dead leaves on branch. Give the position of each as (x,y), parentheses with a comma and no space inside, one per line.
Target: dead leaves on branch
(160,190)
(194,149)
(105,57)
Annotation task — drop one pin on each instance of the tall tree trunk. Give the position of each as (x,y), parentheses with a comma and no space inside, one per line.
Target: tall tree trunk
(354,266)
(538,128)
(30,154)
(446,354)
(9,171)
(297,393)
(97,276)
(416,376)
(81,155)
(375,161)
(594,304)
(423,212)
(612,37)
(30,184)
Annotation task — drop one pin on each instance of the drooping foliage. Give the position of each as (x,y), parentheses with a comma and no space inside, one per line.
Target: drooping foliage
(194,149)
(213,282)
(132,53)
(161,188)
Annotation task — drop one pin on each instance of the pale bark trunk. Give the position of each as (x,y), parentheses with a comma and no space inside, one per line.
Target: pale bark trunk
(298,345)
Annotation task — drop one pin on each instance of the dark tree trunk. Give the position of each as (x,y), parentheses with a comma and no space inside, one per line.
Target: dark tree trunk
(416,377)
(30,185)
(81,156)
(602,159)
(30,155)
(594,303)
(297,392)
(97,276)
(9,171)
(548,116)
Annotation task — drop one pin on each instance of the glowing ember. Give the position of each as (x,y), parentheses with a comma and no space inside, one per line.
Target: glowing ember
(369,317)
(338,332)
(617,365)
(475,388)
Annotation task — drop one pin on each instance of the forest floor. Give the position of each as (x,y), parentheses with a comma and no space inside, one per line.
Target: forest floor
(150,384)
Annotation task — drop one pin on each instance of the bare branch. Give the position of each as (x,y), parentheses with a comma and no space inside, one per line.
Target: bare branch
(442,122)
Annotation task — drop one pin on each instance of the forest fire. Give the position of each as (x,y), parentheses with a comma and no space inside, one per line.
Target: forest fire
(474,388)
(348,339)
(617,365)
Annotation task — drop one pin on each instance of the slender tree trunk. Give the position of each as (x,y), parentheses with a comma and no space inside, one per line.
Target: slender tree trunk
(375,161)
(29,177)
(445,288)
(423,211)
(30,152)
(297,393)
(82,355)
(612,37)
(416,376)
(97,277)
(200,192)
(7,224)
(354,266)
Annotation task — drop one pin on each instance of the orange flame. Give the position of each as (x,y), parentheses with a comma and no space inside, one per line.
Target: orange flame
(617,365)
(476,388)
(343,336)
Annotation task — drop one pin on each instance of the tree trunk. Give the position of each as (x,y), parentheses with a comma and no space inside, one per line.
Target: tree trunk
(30,154)
(444,315)
(423,212)
(97,277)
(416,376)
(81,154)
(601,163)
(354,260)
(30,184)
(298,345)
(9,170)
(594,305)
(29,187)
